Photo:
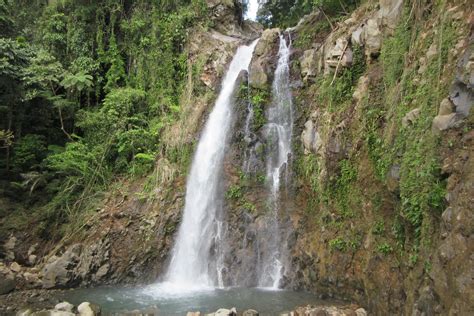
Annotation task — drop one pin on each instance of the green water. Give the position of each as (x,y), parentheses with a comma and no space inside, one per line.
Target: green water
(169,302)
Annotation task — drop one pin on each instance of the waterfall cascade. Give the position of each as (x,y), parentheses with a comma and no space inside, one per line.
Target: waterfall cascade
(192,264)
(278,133)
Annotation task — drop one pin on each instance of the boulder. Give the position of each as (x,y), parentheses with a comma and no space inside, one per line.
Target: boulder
(372,39)
(7,284)
(311,138)
(15,267)
(9,247)
(88,309)
(225,312)
(390,12)
(361,89)
(361,312)
(411,117)
(357,37)
(59,272)
(444,122)
(341,54)
(193,314)
(309,65)
(64,306)
(446,107)
(250,312)
(266,42)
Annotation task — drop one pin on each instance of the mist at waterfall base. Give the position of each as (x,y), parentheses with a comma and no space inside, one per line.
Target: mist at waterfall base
(193,281)
(119,300)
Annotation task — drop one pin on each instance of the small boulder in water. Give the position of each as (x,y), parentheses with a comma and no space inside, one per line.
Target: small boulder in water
(64,306)
(226,312)
(88,309)
(250,312)
(193,314)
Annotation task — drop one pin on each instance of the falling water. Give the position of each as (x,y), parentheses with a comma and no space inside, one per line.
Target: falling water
(193,265)
(278,133)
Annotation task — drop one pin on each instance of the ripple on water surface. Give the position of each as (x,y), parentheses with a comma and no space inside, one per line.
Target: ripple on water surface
(170,299)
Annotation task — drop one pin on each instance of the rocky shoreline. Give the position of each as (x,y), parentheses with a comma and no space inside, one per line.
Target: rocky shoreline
(46,303)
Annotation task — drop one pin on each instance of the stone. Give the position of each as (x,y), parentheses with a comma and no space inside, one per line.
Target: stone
(64,306)
(225,312)
(193,314)
(102,272)
(15,267)
(432,51)
(311,138)
(31,278)
(357,37)
(58,272)
(411,117)
(258,77)
(268,38)
(308,64)
(24,312)
(9,248)
(7,284)
(361,89)
(361,312)
(372,39)
(444,122)
(390,12)
(250,312)
(446,107)
(88,309)
(32,259)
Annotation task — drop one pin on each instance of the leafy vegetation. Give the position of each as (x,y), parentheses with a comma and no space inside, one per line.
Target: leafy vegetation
(86,90)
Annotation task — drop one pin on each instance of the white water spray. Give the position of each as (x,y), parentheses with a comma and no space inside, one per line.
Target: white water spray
(192,264)
(279,132)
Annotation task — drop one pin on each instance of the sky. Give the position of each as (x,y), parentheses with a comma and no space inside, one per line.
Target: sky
(252,10)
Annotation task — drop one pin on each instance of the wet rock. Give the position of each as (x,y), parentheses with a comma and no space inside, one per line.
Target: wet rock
(7,284)
(411,117)
(193,314)
(262,65)
(64,306)
(88,309)
(250,312)
(52,313)
(225,312)
(372,39)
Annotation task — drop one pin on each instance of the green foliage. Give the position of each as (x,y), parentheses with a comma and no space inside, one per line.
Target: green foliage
(259,99)
(338,244)
(29,152)
(234,192)
(379,228)
(384,248)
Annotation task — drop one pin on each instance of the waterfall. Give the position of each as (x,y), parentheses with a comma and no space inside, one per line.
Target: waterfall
(278,134)
(193,264)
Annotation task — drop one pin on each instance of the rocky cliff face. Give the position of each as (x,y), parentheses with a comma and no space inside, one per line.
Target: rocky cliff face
(384,212)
